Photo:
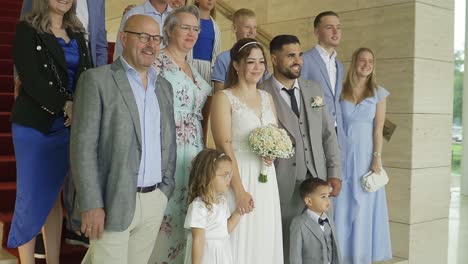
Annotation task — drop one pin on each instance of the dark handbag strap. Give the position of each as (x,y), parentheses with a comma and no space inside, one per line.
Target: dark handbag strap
(65,91)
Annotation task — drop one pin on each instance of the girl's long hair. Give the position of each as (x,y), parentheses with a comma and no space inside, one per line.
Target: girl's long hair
(352,78)
(202,175)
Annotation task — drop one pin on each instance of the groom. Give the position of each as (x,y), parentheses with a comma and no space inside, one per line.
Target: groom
(303,114)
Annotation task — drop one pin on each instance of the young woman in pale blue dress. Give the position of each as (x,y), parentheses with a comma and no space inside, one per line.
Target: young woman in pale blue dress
(190,92)
(361,217)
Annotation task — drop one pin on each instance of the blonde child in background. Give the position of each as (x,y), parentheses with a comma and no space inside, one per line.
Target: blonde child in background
(208,215)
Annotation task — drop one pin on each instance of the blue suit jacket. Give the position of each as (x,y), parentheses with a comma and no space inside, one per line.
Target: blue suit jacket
(97,39)
(314,70)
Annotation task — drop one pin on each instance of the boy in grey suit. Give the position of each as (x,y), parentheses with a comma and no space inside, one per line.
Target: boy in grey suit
(312,234)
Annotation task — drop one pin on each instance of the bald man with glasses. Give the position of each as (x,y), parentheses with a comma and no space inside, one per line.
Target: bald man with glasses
(122,153)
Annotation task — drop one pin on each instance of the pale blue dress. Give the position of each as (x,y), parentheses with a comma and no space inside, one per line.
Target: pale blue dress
(361,217)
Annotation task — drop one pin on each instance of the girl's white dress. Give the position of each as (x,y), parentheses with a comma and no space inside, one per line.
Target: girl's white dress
(217,244)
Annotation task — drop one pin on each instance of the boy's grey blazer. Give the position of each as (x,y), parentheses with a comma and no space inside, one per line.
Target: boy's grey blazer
(106,143)
(324,146)
(307,243)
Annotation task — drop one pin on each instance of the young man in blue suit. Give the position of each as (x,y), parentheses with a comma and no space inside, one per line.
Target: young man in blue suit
(322,65)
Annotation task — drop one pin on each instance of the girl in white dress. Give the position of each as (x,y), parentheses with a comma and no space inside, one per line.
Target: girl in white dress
(208,215)
(237,111)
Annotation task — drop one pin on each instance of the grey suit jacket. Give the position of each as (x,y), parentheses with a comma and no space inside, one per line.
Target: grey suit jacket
(307,243)
(322,136)
(106,143)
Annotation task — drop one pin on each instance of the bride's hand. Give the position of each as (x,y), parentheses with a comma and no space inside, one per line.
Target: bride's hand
(245,203)
(268,161)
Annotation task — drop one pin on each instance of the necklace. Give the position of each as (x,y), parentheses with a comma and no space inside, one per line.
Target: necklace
(179,62)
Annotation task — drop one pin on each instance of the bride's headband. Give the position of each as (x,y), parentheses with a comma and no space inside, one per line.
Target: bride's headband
(220,155)
(248,43)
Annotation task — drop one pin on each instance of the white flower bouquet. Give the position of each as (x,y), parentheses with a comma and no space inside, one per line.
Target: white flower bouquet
(271,142)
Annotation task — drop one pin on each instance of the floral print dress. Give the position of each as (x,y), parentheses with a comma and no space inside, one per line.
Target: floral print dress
(189,98)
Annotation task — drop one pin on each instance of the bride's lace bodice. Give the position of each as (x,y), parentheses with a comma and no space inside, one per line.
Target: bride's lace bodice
(244,119)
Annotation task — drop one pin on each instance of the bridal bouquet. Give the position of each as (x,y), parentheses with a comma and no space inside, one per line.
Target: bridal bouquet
(271,142)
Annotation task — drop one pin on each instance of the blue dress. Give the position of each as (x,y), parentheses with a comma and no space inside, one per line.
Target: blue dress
(42,162)
(361,217)
(203,49)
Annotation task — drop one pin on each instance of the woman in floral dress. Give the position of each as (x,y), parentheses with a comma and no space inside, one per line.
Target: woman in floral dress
(190,91)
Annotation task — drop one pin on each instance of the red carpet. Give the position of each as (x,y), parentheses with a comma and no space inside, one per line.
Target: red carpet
(9,14)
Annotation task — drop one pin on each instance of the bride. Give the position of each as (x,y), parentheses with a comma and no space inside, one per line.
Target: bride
(235,112)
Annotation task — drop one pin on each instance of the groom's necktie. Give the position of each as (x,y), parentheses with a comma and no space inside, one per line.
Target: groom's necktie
(294,106)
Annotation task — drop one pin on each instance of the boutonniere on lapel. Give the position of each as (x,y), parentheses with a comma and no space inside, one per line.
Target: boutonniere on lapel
(317,101)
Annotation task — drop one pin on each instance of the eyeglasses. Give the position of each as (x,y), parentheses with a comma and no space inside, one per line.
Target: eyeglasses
(187,28)
(227,176)
(145,37)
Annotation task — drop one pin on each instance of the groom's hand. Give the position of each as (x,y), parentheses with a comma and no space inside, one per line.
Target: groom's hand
(336,186)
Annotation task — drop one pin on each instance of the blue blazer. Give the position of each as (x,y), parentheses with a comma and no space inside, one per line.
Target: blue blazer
(97,38)
(314,70)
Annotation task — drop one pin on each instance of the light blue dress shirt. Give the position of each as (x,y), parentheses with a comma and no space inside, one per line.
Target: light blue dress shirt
(221,68)
(150,125)
(144,9)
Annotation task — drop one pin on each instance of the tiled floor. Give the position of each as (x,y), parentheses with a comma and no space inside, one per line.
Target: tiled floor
(458,225)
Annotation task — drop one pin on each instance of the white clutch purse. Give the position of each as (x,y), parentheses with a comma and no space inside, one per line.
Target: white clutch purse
(372,181)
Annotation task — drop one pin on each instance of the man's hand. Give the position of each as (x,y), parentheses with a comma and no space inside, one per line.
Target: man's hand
(336,186)
(92,223)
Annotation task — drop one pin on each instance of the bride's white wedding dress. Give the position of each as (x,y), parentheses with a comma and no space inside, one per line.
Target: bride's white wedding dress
(258,237)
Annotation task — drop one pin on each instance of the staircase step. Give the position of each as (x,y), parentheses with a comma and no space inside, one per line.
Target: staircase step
(7,145)
(9,12)
(6,51)
(7,169)
(6,67)
(5,125)
(12,4)
(6,101)
(7,24)
(7,258)
(8,193)
(6,83)
(5,222)
(394,260)
(6,38)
